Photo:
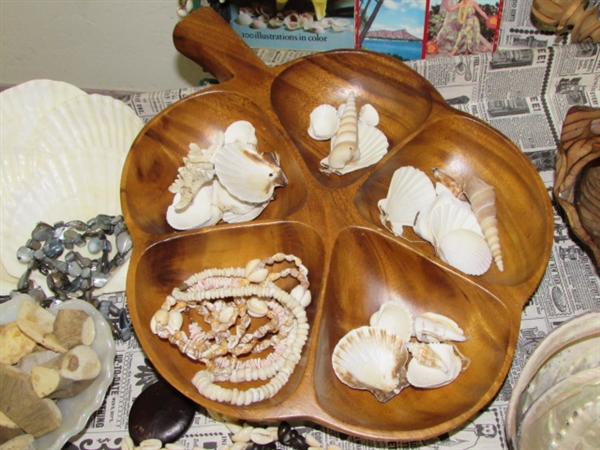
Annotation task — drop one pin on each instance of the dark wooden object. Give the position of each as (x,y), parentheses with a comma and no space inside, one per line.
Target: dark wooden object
(332,223)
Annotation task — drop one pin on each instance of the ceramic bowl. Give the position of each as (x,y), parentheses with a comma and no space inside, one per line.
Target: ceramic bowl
(76,410)
(332,223)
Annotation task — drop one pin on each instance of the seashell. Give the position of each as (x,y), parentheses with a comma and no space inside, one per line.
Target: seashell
(465,250)
(247,175)
(201,212)
(434,365)
(410,192)
(368,115)
(344,144)
(293,21)
(256,307)
(432,327)
(483,202)
(339,25)
(276,22)
(394,317)
(258,24)
(241,131)
(84,142)
(372,359)
(324,122)
(233,209)
(315,27)
(446,217)
(326,22)
(21,109)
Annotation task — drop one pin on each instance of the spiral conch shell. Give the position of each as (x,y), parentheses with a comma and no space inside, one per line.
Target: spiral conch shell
(356,142)
(482,198)
(344,145)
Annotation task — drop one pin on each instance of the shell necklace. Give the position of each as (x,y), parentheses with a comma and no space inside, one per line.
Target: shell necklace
(228,300)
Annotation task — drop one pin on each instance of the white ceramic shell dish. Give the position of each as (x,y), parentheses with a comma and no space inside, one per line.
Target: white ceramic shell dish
(77,410)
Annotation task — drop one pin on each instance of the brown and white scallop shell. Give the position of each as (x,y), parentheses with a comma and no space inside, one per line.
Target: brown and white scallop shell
(372,359)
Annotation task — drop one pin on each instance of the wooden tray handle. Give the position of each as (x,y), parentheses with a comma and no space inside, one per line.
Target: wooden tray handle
(207,39)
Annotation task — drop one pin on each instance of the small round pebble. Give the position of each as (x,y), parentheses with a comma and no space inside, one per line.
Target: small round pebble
(160,412)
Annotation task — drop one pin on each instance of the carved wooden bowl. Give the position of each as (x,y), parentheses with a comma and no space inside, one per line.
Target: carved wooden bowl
(332,223)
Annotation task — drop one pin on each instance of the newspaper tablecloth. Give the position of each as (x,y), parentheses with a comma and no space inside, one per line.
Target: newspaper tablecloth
(525,93)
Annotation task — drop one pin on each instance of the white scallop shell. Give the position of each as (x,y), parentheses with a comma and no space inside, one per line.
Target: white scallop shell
(369,115)
(394,317)
(433,327)
(372,359)
(247,175)
(324,122)
(199,213)
(372,146)
(447,217)
(465,250)
(241,131)
(21,108)
(63,189)
(410,192)
(80,148)
(433,365)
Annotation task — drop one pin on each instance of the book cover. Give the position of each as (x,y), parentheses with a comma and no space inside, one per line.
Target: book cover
(316,25)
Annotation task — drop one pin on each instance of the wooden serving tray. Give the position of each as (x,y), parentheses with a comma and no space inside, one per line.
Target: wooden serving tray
(332,223)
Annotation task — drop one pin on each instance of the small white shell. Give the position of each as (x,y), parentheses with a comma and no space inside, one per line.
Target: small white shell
(433,365)
(235,210)
(241,131)
(339,25)
(257,307)
(432,327)
(449,217)
(465,250)
(394,317)
(243,18)
(200,212)
(410,192)
(372,359)
(247,175)
(324,122)
(368,115)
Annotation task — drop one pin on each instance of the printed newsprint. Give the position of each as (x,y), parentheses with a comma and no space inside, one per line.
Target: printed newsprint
(503,89)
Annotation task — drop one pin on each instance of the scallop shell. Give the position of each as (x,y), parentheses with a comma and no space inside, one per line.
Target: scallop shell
(63,189)
(368,115)
(448,217)
(80,148)
(21,108)
(433,327)
(394,317)
(433,365)
(410,192)
(324,122)
(241,131)
(234,210)
(372,359)
(247,175)
(199,213)
(465,250)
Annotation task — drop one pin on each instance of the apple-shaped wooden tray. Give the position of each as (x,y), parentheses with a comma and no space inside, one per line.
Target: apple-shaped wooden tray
(332,223)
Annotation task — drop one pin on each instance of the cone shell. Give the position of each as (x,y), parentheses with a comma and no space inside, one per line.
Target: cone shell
(433,365)
(247,175)
(410,192)
(394,317)
(483,202)
(372,359)
(324,122)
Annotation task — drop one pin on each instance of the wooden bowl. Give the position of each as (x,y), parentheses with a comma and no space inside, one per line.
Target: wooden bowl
(332,223)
